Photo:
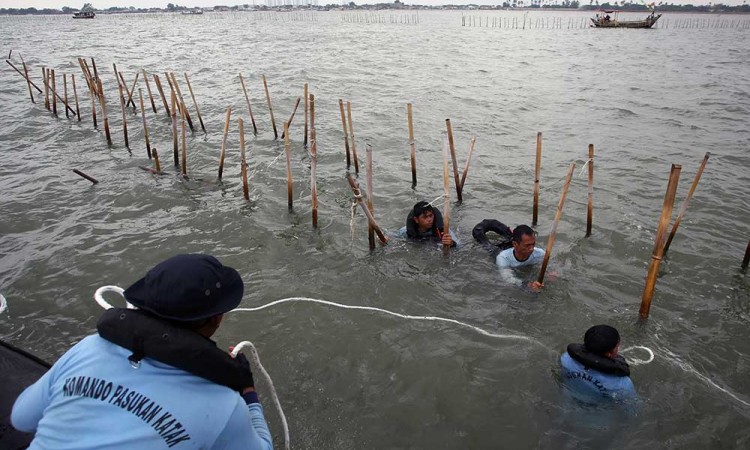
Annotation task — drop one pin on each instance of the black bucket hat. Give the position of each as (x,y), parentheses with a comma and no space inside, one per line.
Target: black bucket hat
(187,287)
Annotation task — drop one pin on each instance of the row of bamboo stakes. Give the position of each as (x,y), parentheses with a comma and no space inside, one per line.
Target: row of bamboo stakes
(661,244)
(373,17)
(575,23)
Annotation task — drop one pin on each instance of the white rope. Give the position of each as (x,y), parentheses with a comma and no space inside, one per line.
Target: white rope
(256,362)
(103,303)
(3,304)
(385,311)
(636,361)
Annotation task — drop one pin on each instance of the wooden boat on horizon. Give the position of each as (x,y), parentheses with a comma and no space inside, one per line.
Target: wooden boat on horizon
(604,20)
(84,15)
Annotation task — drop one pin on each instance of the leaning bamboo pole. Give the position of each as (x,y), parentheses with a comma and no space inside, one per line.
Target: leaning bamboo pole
(124,119)
(92,88)
(288,151)
(270,108)
(224,142)
(161,92)
(288,123)
(28,81)
(26,76)
(182,101)
(306,116)
(91,179)
(370,228)
(656,255)
(145,126)
(358,197)
(537,171)
(459,196)
(351,134)
(446,188)
(553,232)
(313,163)
(245,189)
(590,207)
(197,110)
(468,161)
(249,108)
(131,92)
(104,110)
(75,95)
(412,149)
(148,89)
(346,135)
(746,259)
(687,201)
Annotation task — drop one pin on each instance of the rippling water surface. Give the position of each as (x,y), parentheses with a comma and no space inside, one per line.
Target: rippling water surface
(355,379)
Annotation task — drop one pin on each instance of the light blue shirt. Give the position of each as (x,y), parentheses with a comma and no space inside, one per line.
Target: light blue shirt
(507,261)
(592,386)
(92,398)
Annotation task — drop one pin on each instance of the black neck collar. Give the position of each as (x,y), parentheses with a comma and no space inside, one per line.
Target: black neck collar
(612,366)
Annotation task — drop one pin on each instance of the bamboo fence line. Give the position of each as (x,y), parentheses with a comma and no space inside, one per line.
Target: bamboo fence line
(535,22)
(377,17)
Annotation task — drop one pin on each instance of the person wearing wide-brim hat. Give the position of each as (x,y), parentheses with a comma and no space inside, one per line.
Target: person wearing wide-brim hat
(151,378)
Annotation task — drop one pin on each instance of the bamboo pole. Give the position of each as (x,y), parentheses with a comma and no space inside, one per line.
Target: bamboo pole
(54,92)
(346,135)
(288,123)
(656,255)
(65,91)
(313,163)
(351,134)
(92,88)
(358,197)
(468,161)
(91,179)
(370,228)
(182,101)
(175,149)
(224,142)
(75,95)
(288,151)
(590,208)
(145,126)
(93,66)
(306,118)
(26,76)
(45,75)
(245,189)
(132,90)
(156,160)
(446,188)
(28,81)
(413,151)
(746,260)
(124,119)
(249,108)
(120,80)
(687,201)
(459,197)
(553,233)
(270,108)
(104,110)
(148,89)
(197,110)
(183,114)
(161,92)
(537,171)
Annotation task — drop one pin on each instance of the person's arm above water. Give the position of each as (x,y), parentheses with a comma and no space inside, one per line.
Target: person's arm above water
(246,428)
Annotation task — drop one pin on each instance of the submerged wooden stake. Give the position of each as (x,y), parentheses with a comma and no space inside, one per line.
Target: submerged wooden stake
(346,135)
(746,260)
(145,126)
(288,123)
(249,108)
(313,163)
(270,108)
(124,119)
(184,142)
(468,161)
(104,110)
(91,179)
(412,150)
(45,75)
(75,95)
(156,160)
(687,201)
(446,188)
(182,101)
(161,92)
(656,255)
(175,149)
(54,92)
(148,89)
(459,197)
(288,151)
(245,189)
(553,232)
(306,118)
(358,197)
(590,208)
(131,100)
(370,228)
(351,134)
(197,110)
(224,142)
(65,91)
(537,170)
(28,81)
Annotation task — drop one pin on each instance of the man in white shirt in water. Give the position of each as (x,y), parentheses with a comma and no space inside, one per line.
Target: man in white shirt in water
(523,253)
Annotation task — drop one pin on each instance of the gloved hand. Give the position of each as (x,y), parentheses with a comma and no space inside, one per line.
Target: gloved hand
(245,364)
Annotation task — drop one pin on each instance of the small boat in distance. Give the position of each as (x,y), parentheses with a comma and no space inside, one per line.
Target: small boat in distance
(84,15)
(192,12)
(605,20)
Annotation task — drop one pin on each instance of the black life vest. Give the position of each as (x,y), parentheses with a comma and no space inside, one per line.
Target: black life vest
(412,231)
(149,336)
(612,366)
(480,234)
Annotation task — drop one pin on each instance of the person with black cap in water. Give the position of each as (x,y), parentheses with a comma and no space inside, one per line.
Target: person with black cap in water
(425,223)
(594,370)
(151,378)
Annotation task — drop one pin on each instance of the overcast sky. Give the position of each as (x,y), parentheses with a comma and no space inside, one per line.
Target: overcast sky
(103,4)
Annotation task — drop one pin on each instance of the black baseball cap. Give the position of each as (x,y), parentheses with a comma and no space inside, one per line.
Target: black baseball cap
(600,339)
(187,287)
